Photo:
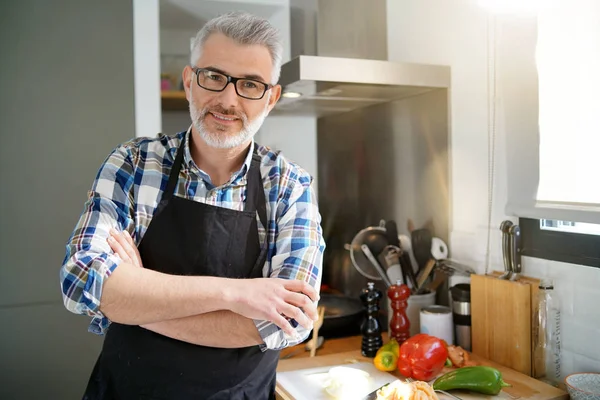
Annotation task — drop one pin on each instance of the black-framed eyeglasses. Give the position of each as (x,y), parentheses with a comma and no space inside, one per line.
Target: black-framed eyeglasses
(217,82)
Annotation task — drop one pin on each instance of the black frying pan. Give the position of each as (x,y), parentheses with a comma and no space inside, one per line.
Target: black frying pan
(343,315)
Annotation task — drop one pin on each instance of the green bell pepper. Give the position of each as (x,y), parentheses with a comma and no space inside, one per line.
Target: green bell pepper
(486,380)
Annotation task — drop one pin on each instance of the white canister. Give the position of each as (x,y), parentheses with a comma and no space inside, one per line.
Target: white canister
(437,321)
(414,305)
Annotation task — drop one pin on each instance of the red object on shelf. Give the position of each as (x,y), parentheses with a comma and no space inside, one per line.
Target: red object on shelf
(399,325)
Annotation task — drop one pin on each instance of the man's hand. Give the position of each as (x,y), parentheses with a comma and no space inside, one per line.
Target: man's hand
(274,299)
(123,245)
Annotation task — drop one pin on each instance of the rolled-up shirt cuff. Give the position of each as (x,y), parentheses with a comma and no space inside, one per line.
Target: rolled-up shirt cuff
(276,339)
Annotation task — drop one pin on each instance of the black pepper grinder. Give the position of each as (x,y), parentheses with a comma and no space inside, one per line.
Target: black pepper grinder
(371,328)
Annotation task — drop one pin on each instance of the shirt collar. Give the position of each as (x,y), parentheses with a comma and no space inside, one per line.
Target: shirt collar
(189,161)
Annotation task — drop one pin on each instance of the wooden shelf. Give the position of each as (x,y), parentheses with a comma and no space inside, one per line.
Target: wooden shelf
(174,100)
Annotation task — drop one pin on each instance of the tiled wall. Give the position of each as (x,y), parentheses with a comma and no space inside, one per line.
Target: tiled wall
(578,290)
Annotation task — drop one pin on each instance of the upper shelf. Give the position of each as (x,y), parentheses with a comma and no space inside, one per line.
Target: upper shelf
(174,100)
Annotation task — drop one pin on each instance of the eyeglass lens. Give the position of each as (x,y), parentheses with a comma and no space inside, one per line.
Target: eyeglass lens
(245,87)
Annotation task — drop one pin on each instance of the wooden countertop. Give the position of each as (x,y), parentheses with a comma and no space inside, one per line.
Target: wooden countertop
(345,350)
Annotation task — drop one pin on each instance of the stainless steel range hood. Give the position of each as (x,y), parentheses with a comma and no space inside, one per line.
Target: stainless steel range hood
(350,70)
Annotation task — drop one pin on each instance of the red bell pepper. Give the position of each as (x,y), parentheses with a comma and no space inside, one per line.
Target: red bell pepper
(422,357)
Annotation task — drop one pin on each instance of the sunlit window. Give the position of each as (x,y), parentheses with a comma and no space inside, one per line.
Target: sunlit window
(568,61)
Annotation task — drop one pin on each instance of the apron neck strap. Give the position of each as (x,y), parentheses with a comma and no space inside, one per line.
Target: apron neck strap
(175,168)
(255,194)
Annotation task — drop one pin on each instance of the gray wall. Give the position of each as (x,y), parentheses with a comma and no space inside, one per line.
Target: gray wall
(66,99)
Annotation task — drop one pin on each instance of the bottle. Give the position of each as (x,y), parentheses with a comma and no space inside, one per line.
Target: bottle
(399,325)
(371,327)
(547,358)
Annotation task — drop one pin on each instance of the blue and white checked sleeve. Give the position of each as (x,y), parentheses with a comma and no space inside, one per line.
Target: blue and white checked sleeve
(89,259)
(299,255)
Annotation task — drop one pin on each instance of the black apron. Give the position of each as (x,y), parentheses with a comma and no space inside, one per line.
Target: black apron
(186,237)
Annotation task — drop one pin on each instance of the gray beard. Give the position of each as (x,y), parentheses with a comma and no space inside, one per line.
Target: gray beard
(220,139)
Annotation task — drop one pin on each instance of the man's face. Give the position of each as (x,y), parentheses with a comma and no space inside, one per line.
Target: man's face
(224,119)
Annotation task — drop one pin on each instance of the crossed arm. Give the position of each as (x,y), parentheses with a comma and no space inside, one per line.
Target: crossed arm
(231,305)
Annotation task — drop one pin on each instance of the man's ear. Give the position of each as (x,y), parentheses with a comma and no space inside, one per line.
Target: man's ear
(187,77)
(275,95)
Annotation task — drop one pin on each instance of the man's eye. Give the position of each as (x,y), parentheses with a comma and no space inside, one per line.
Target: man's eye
(215,77)
(250,85)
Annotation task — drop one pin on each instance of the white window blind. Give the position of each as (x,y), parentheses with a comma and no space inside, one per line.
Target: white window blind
(549,80)
(568,63)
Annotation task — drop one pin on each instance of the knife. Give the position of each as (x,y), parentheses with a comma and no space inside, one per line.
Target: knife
(515,251)
(506,249)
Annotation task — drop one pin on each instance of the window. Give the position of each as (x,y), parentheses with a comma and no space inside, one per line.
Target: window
(568,61)
(549,81)
(570,226)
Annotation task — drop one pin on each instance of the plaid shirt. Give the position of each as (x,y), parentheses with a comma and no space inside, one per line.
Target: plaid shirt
(127,190)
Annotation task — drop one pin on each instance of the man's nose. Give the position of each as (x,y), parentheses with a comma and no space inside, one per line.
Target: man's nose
(229,97)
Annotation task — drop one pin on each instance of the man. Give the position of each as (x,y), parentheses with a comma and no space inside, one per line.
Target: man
(199,255)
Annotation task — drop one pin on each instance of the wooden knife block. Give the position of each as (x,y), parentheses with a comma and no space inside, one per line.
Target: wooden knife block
(502,320)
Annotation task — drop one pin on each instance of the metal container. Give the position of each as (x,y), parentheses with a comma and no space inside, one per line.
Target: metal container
(461,310)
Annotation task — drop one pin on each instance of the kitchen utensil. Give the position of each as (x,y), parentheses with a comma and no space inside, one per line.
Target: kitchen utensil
(501,320)
(376,265)
(376,242)
(506,253)
(515,251)
(394,270)
(424,273)
(375,236)
(454,267)
(408,271)
(391,230)
(583,386)
(343,315)
(316,326)
(441,275)
(405,243)
(307,347)
(421,246)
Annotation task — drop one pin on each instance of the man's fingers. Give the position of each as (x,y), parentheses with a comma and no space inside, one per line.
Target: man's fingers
(283,323)
(128,238)
(117,248)
(302,301)
(130,249)
(297,314)
(302,287)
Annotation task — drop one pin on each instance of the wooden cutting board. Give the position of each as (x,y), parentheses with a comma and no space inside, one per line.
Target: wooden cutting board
(501,320)
(523,387)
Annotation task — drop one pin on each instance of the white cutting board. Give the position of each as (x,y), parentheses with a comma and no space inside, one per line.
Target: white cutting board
(308,384)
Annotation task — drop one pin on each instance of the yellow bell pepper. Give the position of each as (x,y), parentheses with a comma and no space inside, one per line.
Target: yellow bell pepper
(386,358)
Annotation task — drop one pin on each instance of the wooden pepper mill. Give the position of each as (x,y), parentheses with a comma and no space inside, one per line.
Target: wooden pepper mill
(371,327)
(399,324)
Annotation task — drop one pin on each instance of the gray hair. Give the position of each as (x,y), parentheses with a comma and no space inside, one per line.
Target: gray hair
(243,28)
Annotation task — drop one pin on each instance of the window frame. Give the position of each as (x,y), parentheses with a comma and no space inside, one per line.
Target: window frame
(568,247)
